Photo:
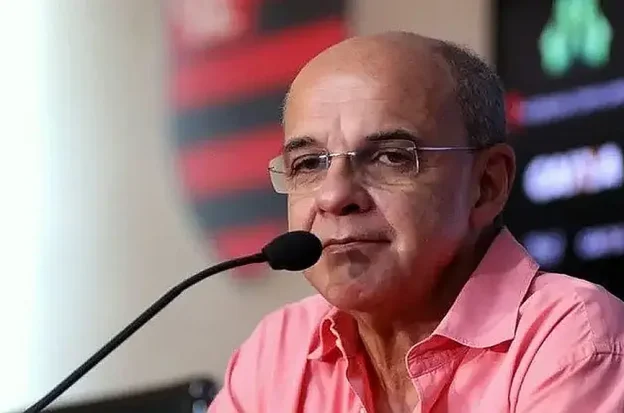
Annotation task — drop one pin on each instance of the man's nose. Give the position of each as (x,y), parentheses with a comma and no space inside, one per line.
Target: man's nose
(341,193)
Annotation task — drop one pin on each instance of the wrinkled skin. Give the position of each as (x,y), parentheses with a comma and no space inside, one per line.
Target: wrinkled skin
(416,242)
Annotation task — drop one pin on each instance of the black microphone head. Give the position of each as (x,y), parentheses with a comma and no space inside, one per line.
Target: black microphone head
(293,251)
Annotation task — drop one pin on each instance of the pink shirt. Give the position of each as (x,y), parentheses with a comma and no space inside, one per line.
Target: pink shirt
(515,340)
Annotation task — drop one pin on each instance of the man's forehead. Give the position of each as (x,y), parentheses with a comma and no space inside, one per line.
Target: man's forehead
(336,87)
(380,69)
(355,108)
(295,143)
(385,83)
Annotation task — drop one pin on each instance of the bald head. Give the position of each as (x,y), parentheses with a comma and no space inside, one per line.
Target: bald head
(388,142)
(376,55)
(414,63)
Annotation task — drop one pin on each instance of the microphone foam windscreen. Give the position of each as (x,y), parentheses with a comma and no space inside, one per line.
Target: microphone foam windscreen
(293,251)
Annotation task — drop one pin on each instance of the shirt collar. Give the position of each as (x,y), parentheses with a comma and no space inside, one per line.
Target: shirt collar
(484,314)
(486,311)
(337,336)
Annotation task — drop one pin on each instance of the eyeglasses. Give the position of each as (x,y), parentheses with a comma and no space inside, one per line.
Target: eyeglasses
(381,164)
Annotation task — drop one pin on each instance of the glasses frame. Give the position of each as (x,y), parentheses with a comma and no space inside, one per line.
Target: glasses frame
(351,154)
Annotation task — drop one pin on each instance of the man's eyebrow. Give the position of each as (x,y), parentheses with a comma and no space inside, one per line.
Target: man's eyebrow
(394,134)
(299,142)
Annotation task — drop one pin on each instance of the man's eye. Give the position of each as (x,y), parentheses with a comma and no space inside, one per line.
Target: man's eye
(393,157)
(306,163)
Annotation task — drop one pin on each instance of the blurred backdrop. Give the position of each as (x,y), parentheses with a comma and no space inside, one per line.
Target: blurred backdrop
(136,136)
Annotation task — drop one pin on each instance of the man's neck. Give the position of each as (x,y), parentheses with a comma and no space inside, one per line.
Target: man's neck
(388,338)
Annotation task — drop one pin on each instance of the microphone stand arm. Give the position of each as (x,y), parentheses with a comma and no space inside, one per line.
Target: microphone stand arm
(147,315)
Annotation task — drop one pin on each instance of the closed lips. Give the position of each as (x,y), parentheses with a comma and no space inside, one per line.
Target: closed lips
(345,241)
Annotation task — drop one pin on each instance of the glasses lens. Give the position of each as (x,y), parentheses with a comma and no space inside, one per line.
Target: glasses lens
(276,172)
(385,163)
(388,162)
(301,173)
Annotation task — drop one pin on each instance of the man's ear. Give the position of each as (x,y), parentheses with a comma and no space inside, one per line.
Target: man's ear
(496,170)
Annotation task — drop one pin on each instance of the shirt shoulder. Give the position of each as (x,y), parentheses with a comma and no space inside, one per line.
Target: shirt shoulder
(570,319)
(299,316)
(568,347)
(292,328)
(273,357)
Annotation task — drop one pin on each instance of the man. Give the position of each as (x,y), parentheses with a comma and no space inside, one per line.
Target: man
(395,157)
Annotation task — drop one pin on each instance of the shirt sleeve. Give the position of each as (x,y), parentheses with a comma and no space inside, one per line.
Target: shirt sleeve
(591,384)
(243,387)
(226,401)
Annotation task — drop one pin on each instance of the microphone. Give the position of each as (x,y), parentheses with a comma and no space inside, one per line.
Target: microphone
(292,251)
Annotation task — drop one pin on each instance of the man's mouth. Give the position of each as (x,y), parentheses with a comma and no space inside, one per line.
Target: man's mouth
(346,243)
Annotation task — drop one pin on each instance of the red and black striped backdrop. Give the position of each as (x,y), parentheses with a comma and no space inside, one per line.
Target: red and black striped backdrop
(232,61)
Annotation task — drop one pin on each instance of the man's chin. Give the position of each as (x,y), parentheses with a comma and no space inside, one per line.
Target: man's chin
(356,286)
(352,296)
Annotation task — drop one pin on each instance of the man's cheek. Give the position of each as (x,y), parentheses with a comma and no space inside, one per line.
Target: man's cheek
(301,213)
(414,210)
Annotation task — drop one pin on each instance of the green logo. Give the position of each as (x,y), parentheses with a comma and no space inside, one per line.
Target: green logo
(578,31)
